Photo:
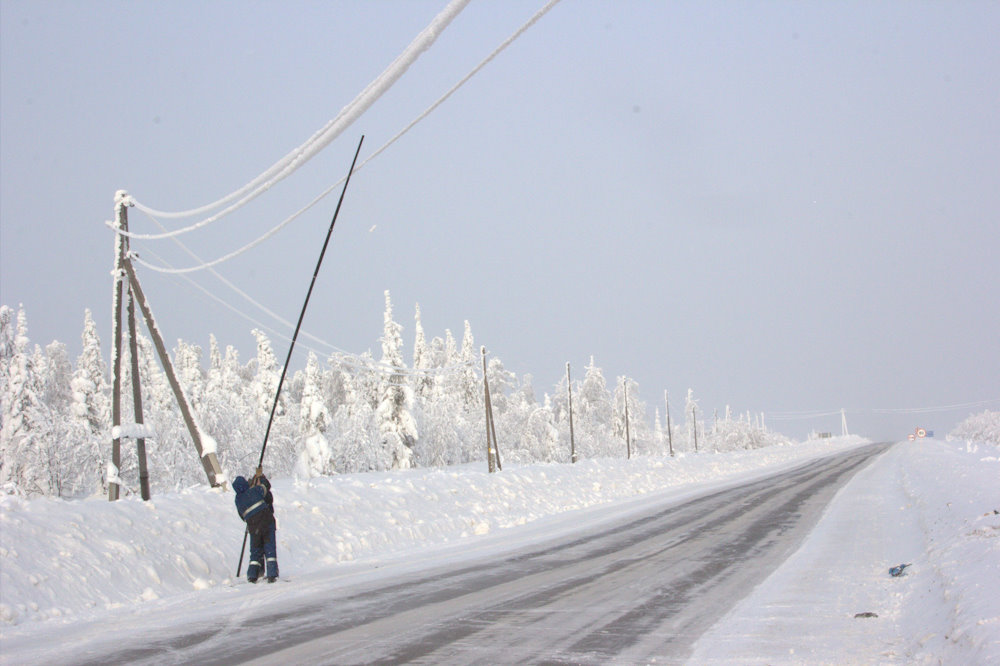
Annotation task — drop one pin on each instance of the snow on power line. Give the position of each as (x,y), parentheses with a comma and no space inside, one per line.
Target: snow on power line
(254,243)
(322,138)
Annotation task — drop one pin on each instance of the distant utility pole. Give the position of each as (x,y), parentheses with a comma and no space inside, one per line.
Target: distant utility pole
(843,422)
(670,436)
(492,449)
(628,438)
(569,393)
(694,427)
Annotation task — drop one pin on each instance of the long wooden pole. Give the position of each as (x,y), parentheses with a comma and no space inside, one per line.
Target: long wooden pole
(569,395)
(491,465)
(121,247)
(140,441)
(628,437)
(492,447)
(670,436)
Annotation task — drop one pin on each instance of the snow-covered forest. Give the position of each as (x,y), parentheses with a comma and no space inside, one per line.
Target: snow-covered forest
(981,427)
(339,414)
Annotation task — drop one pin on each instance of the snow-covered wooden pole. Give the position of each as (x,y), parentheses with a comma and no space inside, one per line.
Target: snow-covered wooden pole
(122,202)
(205,446)
(628,437)
(569,395)
(492,449)
(140,440)
(121,247)
(694,427)
(670,436)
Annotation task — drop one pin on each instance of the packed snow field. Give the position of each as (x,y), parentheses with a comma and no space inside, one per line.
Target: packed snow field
(931,504)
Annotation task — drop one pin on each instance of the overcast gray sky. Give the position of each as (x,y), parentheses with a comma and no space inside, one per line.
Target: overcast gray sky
(786,206)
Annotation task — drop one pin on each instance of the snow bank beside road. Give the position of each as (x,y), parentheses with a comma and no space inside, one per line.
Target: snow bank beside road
(63,560)
(930,504)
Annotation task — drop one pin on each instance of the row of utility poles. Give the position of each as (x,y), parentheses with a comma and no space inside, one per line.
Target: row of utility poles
(493,452)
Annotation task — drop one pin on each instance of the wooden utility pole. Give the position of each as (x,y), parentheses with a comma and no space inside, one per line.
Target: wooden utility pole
(670,436)
(140,440)
(628,438)
(121,247)
(492,448)
(209,460)
(121,253)
(569,393)
(694,428)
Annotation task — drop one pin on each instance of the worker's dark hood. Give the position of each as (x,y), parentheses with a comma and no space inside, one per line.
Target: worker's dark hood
(240,484)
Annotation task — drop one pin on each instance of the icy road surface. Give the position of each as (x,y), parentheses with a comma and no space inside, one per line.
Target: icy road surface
(629,591)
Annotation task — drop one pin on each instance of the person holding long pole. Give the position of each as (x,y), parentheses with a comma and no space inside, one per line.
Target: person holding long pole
(255,504)
(259,476)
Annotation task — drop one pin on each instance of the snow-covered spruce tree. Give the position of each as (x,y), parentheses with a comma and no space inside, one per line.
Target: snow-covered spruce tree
(314,455)
(268,372)
(230,413)
(355,433)
(438,356)
(451,354)
(423,381)
(442,416)
(594,437)
(396,426)
(8,332)
(187,363)
(519,398)
(543,434)
(281,453)
(441,423)
(74,463)
(471,383)
(57,392)
(24,453)
(535,437)
(449,418)
(507,420)
(91,403)
(336,383)
(503,383)
(452,382)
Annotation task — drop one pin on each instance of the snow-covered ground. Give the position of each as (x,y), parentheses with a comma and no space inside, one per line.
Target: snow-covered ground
(930,503)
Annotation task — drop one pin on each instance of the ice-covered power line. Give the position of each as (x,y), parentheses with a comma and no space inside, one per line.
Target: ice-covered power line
(796,416)
(322,138)
(805,415)
(475,70)
(939,408)
(208,265)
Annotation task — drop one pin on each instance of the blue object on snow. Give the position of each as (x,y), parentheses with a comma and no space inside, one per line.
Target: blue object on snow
(898,570)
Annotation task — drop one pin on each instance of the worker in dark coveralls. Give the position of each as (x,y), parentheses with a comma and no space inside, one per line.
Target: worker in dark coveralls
(255,505)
